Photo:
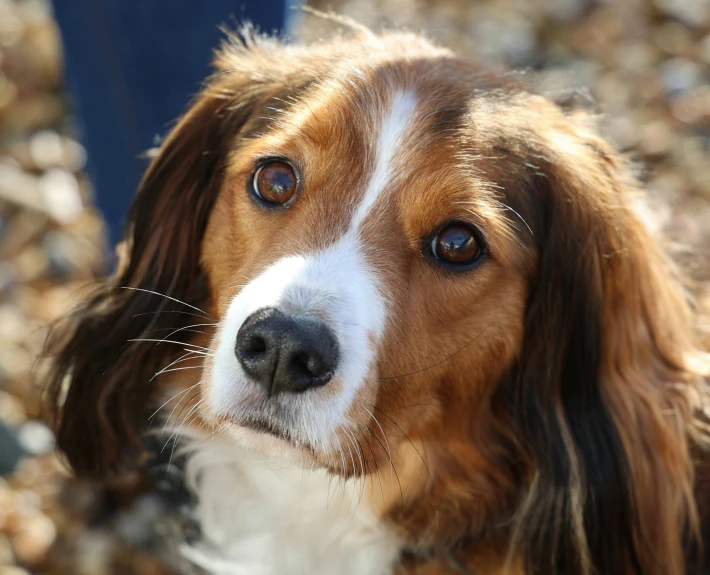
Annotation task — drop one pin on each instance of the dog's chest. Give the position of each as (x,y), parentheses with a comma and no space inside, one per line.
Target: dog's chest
(267,518)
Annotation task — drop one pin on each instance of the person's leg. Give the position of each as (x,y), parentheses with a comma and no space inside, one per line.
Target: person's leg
(132,67)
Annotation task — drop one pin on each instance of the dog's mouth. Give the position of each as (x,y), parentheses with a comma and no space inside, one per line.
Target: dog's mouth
(267,426)
(259,427)
(263,425)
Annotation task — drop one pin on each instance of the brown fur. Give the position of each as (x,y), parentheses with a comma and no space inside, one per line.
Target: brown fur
(542,410)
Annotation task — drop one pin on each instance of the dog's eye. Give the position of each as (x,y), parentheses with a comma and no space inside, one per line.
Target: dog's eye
(275,182)
(456,244)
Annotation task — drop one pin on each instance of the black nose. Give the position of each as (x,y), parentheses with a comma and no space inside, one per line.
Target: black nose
(286,353)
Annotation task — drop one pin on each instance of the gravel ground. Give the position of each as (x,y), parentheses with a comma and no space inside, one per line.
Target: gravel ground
(646,64)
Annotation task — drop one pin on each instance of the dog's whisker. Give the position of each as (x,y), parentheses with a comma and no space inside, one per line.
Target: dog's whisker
(179,369)
(186,330)
(354,468)
(199,353)
(177,436)
(192,397)
(365,469)
(431,478)
(172,399)
(342,461)
(166,296)
(374,460)
(169,418)
(193,409)
(353,440)
(199,347)
(168,311)
(185,357)
(177,425)
(189,327)
(392,465)
(372,415)
(438,362)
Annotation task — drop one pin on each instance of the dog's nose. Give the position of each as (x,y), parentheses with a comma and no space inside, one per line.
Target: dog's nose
(286,353)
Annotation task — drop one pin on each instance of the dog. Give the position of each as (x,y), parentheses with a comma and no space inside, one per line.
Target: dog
(414,323)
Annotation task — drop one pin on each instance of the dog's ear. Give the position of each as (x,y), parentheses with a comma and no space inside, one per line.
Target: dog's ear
(99,390)
(604,393)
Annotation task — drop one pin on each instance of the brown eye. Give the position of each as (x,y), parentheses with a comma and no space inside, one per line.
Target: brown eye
(275,182)
(456,244)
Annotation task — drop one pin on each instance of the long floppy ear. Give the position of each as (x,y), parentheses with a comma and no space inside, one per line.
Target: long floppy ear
(99,390)
(604,393)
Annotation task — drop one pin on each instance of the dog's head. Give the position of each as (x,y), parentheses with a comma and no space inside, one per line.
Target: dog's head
(401,258)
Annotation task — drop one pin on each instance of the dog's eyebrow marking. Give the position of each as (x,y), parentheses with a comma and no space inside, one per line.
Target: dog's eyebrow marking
(392,131)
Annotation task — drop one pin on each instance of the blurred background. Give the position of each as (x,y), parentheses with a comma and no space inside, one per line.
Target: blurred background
(646,64)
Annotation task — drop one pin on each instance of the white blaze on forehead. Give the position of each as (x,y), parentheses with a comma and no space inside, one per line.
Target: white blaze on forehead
(389,143)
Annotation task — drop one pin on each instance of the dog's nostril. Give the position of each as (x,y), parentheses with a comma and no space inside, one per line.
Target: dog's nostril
(309,364)
(301,361)
(255,344)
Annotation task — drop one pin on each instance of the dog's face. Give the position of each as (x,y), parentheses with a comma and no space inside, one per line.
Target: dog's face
(353,246)
(407,262)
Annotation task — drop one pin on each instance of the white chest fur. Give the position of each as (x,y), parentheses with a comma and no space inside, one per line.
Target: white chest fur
(267,517)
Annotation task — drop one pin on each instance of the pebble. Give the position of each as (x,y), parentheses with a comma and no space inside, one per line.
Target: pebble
(704,49)
(8,92)
(614,93)
(33,537)
(655,138)
(6,554)
(674,39)
(10,451)
(48,149)
(690,12)
(635,57)
(680,75)
(74,155)
(19,187)
(15,361)
(62,196)
(12,324)
(35,438)
(59,248)
(693,107)
(8,277)
(508,38)
(13,570)
(565,10)
(30,263)
(11,28)
(622,131)
(21,230)
(12,410)
(32,112)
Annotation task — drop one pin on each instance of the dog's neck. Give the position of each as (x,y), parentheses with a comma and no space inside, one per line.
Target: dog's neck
(268,516)
(263,516)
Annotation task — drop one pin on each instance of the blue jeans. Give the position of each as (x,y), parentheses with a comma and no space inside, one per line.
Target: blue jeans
(132,67)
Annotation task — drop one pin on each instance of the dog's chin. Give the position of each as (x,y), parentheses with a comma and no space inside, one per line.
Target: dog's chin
(268,440)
